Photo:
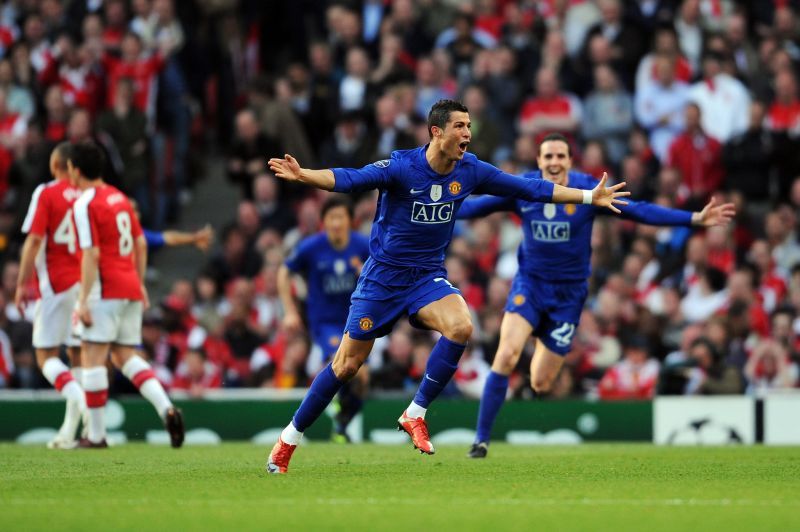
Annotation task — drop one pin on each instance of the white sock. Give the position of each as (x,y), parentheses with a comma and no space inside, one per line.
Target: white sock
(291,435)
(59,375)
(415,411)
(95,382)
(72,416)
(77,373)
(141,374)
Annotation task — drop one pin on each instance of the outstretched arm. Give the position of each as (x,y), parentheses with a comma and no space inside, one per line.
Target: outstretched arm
(289,169)
(484,206)
(375,175)
(498,183)
(651,214)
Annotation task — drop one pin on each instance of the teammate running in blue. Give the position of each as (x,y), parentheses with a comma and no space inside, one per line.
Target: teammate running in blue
(550,288)
(420,192)
(330,262)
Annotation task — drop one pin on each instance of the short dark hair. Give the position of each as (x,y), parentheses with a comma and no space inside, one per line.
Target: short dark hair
(63,153)
(88,158)
(440,113)
(555,137)
(337,200)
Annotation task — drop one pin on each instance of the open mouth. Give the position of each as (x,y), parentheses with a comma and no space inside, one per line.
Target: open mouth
(463,146)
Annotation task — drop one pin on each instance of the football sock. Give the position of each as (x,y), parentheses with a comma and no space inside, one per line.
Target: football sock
(141,374)
(442,365)
(319,396)
(494,395)
(95,382)
(291,435)
(57,373)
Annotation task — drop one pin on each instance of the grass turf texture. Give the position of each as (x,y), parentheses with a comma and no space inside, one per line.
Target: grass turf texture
(370,487)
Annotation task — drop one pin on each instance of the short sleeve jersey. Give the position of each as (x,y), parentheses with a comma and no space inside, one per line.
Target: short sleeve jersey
(58,263)
(105,219)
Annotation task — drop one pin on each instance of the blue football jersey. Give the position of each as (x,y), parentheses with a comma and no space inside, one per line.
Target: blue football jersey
(557,243)
(416,208)
(331,275)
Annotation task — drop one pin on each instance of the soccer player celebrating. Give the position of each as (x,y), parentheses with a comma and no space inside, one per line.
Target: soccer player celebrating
(550,288)
(112,295)
(331,262)
(51,250)
(420,191)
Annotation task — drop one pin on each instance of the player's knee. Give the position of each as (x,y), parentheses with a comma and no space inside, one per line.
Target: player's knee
(345,368)
(459,330)
(541,384)
(505,361)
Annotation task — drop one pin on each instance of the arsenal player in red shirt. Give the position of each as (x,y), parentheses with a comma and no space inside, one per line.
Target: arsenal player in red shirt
(52,257)
(112,295)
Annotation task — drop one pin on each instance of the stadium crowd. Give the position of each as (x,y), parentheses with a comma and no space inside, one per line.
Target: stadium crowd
(684,100)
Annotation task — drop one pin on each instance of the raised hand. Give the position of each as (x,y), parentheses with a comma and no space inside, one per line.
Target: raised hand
(287,168)
(713,214)
(603,196)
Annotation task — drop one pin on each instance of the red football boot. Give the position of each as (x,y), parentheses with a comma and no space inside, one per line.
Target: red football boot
(418,430)
(278,461)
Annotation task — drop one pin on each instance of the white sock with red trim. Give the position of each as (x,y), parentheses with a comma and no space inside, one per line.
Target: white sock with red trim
(59,375)
(141,374)
(95,382)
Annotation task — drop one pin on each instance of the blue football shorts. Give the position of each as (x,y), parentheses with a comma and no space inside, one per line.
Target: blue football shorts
(384,293)
(552,309)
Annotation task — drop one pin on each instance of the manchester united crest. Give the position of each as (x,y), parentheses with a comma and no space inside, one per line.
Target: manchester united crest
(365,323)
(454,188)
(518,300)
(570,209)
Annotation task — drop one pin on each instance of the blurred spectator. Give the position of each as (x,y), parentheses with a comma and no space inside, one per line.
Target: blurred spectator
(249,152)
(705,297)
(549,110)
(391,134)
(782,238)
(744,53)
(351,146)
(356,92)
(634,377)
(19,98)
(485,133)
(770,368)
(698,157)
(665,47)
(272,214)
(690,33)
(196,374)
(721,98)
(749,160)
(429,88)
(626,39)
(660,104)
(127,128)
(608,113)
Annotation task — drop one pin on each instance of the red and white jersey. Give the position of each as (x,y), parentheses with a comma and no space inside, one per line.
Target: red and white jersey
(105,219)
(58,263)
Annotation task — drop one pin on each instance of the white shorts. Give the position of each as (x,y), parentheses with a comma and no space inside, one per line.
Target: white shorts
(114,321)
(53,320)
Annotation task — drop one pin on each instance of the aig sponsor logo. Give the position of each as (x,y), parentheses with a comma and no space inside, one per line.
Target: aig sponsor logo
(550,231)
(433,213)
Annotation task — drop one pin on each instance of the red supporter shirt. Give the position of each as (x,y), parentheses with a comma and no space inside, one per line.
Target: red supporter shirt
(699,159)
(58,264)
(143,72)
(105,219)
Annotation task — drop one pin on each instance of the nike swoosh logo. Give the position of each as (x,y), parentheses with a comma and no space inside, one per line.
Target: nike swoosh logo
(412,191)
(432,380)
(526,209)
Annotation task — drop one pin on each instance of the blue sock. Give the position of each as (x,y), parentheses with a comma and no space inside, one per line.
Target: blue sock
(494,395)
(319,396)
(442,365)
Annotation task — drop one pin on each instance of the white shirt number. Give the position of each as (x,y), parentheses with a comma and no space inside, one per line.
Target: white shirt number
(125,236)
(65,233)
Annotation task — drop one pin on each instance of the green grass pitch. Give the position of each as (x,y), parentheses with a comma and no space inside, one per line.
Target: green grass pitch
(371,487)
